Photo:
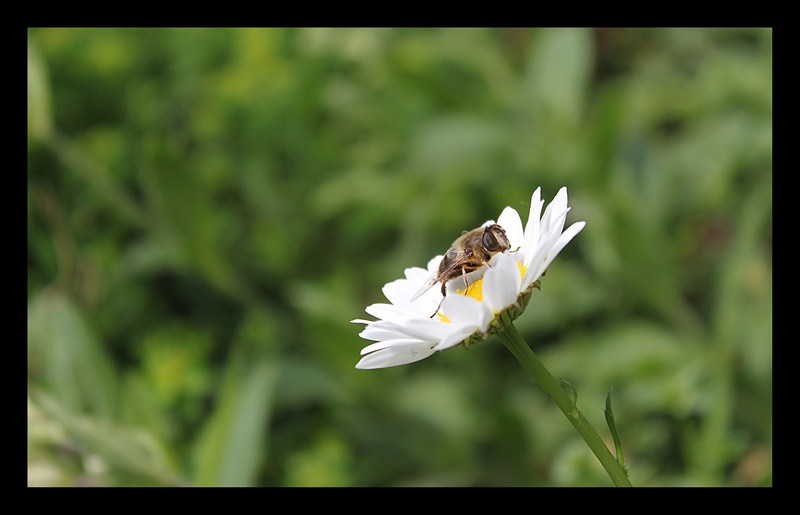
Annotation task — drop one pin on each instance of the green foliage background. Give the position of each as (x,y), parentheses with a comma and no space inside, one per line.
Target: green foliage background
(208,209)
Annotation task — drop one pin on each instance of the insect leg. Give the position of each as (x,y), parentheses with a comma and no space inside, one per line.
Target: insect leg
(437,308)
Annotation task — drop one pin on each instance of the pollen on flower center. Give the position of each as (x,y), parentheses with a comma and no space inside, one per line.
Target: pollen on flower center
(475,290)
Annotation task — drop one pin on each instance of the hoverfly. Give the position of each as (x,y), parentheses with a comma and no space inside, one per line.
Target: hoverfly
(469,252)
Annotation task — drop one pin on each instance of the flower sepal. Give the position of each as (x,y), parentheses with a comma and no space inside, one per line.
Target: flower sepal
(504,318)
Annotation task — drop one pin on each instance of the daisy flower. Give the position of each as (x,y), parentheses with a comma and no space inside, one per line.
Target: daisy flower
(476,306)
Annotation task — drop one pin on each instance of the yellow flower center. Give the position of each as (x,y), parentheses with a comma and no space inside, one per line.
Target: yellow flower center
(475,290)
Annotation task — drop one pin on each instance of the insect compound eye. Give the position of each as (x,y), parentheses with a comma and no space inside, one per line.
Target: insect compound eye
(489,240)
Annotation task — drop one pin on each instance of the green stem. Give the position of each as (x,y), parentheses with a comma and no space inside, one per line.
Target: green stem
(512,339)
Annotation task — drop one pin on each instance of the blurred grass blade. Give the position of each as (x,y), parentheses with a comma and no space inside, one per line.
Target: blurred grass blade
(231,448)
(613,427)
(64,353)
(559,70)
(40,122)
(136,454)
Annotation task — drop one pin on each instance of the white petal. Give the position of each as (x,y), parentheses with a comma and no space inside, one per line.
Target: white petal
(425,306)
(559,244)
(371,332)
(555,212)
(433,264)
(399,291)
(392,313)
(425,280)
(429,329)
(457,336)
(461,316)
(416,276)
(550,240)
(534,269)
(536,264)
(460,309)
(487,317)
(383,311)
(510,221)
(533,225)
(565,238)
(548,252)
(558,206)
(501,283)
(390,343)
(537,267)
(397,355)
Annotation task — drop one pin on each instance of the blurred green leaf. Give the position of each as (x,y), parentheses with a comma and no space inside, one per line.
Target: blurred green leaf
(64,355)
(453,146)
(558,73)
(301,383)
(612,426)
(324,463)
(40,122)
(231,447)
(135,456)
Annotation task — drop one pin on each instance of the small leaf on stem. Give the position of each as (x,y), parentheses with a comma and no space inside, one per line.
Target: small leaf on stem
(613,427)
(572,392)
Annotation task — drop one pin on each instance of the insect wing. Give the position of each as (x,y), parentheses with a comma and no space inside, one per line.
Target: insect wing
(444,275)
(433,279)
